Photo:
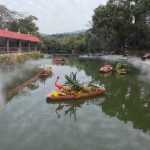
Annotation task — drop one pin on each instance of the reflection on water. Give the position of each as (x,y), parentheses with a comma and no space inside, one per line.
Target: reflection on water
(10,92)
(122,115)
(65,108)
(24,75)
(43,79)
(127,98)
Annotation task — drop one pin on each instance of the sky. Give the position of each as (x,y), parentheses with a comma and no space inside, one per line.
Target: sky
(57,16)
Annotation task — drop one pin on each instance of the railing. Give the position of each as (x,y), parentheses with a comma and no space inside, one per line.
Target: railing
(24,49)
(3,50)
(64,55)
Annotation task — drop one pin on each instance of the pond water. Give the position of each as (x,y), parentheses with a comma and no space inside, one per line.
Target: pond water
(118,120)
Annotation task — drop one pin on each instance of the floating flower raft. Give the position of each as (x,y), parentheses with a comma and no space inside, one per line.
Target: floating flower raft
(122,68)
(106,69)
(59,61)
(62,96)
(45,71)
(74,89)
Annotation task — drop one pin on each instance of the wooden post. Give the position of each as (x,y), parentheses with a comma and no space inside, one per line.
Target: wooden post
(7,45)
(35,46)
(29,46)
(19,45)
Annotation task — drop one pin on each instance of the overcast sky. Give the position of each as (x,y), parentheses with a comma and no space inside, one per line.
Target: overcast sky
(57,16)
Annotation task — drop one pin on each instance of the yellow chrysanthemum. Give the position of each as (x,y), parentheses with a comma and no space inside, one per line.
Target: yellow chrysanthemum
(54,93)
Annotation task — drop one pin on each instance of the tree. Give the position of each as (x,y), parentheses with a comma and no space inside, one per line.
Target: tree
(121,23)
(109,24)
(92,42)
(139,11)
(7,16)
(15,21)
(26,25)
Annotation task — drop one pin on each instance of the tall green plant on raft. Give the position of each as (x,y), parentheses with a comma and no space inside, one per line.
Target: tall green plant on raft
(122,68)
(73,82)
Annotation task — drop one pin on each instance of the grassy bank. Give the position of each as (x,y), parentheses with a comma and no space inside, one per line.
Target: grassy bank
(16,58)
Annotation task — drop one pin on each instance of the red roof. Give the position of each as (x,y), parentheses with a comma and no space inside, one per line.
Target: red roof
(14,35)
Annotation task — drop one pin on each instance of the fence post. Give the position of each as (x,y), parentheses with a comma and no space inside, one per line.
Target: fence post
(7,45)
(29,46)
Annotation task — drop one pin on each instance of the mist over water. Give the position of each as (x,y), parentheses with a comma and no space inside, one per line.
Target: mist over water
(1,93)
(8,74)
(143,66)
(113,57)
(101,119)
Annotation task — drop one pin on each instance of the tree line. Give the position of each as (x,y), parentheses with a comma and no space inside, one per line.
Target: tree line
(119,25)
(64,43)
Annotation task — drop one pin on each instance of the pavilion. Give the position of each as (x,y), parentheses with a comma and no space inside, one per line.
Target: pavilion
(13,42)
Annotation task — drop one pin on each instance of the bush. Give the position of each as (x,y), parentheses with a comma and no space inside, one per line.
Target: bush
(16,58)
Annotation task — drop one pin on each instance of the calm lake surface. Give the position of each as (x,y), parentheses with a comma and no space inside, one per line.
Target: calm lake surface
(118,120)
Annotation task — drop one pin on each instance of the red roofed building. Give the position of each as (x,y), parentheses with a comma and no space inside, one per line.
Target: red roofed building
(12,42)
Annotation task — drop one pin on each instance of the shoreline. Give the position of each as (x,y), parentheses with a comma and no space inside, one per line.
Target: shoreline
(111,57)
(13,59)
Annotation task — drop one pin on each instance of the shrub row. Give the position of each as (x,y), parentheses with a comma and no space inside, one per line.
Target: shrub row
(16,58)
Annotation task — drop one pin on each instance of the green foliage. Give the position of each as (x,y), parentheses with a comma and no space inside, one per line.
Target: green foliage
(15,21)
(92,42)
(65,42)
(26,25)
(7,16)
(73,82)
(14,58)
(120,66)
(119,25)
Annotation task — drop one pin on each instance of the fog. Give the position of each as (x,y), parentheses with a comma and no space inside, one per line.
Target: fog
(143,66)
(1,94)
(20,71)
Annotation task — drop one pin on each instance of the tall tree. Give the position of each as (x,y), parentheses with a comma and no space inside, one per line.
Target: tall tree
(7,16)
(110,24)
(122,23)
(139,10)
(26,25)
(16,21)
